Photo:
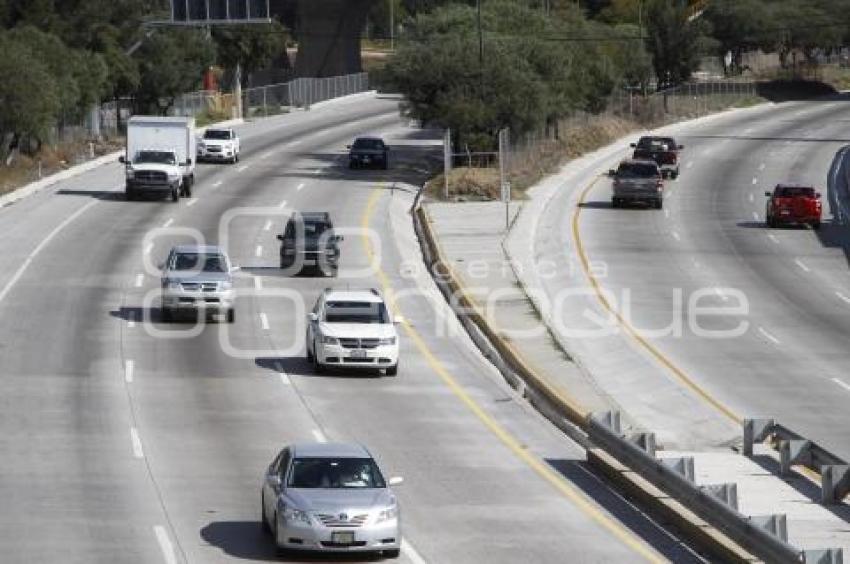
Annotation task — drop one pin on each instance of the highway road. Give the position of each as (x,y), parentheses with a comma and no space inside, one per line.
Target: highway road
(124,439)
(792,284)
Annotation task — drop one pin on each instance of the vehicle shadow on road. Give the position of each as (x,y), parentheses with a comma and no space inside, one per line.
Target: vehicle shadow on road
(103,195)
(582,476)
(802,485)
(299,366)
(246,540)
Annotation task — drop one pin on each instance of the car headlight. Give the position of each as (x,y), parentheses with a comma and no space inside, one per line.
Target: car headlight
(226,285)
(329,340)
(387,341)
(294,514)
(387,514)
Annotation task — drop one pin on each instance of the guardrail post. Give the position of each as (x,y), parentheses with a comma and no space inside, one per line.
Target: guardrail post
(834,482)
(794,451)
(683,466)
(611,420)
(727,493)
(825,556)
(755,430)
(644,441)
(777,525)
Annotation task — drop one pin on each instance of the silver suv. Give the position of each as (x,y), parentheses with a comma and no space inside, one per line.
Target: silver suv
(197,279)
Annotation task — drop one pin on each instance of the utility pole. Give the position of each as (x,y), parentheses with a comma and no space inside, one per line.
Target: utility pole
(392,25)
(480,51)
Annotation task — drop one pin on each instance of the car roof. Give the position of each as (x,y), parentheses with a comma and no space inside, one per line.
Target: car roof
(336,450)
(370,296)
(795,186)
(368,138)
(204,249)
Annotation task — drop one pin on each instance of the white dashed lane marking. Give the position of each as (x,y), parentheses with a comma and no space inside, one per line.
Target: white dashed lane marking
(258,251)
(165,544)
(842,383)
(129,367)
(140,280)
(768,336)
(168,223)
(843,297)
(282,204)
(268,225)
(264,321)
(300,187)
(802,265)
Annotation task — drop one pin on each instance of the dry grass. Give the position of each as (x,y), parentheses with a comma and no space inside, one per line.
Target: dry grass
(25,168)
(466,184)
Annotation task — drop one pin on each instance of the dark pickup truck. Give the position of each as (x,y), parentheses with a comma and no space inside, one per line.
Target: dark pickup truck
(662,150)
(637,181)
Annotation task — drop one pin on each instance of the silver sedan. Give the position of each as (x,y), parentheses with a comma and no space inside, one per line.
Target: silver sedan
(330,498)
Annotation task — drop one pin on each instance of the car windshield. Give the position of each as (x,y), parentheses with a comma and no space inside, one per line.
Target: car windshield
(792,191)
(155,157)
(335,473)
(216,134)
(637,170)
(199,261)
(656,144)
(356,312)
(368,144)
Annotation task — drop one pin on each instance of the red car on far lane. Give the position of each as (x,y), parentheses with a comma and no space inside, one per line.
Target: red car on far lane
(793,204)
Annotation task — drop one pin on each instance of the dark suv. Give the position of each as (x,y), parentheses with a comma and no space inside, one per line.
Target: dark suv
(369,152)
(309,241)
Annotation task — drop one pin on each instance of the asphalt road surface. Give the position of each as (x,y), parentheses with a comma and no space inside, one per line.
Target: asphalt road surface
(791,360)
(125,439)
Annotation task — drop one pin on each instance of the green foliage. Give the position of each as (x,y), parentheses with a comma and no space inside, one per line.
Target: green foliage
(253,47)
(530,73)
(672,40)
(169,65)
(30,102)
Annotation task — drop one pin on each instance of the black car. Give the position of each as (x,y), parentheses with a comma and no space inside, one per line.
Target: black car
(309,241)
(369,152)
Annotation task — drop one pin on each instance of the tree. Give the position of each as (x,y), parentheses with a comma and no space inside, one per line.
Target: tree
(253,47)
(171,64)
(739,27)
(30,102)
(672,40)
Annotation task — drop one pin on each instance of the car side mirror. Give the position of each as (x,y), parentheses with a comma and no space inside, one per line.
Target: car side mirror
(817,195)
(395,481)
(398,320)
(339,237)
(122,159)
(348,146)
(633,145)
(280,237)
(187,163)
(681,147)
(312,317)
(612,172)
(768,194)
(274,479)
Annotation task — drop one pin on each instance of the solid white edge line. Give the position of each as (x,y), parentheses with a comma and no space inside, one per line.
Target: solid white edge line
(768,336)
(319,436)
(800,263)
(411,552)
(140,280)
(129,365)
(165,544)
(137,443)
(284,377)
(44,242)
(842,383)
(264,321)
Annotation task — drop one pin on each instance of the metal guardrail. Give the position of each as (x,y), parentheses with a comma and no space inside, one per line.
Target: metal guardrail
(764,536)
(795,450)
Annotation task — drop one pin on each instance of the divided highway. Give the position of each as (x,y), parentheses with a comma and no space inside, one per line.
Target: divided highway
(124,439)
(793,284)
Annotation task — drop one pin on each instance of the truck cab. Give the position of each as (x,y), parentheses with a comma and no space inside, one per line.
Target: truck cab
(663,150)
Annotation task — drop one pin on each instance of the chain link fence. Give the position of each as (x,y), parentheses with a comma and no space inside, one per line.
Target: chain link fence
(300,93)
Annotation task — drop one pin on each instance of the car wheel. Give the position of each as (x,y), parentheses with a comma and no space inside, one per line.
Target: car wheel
(175,195)
(816,225)
(130,195)
(281,551)
(318,367)
(392,553)
(309,354)
(615,202)
(264,524)
(770,222)
(659,204)
(166,315)
(231,315)
(392,370)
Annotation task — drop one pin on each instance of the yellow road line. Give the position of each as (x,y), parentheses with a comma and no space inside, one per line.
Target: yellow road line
(503,435)
(680,374)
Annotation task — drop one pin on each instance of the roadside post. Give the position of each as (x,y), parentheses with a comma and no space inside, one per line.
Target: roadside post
(503,181)
(447,161)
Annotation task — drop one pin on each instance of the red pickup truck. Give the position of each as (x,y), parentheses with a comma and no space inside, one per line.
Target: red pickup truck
(793,204)
(663,150)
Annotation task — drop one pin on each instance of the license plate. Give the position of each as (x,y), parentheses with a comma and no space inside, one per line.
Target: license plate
(358,354)
(345,537)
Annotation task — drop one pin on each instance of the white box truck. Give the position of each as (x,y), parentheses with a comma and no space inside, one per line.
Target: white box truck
(159,156)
